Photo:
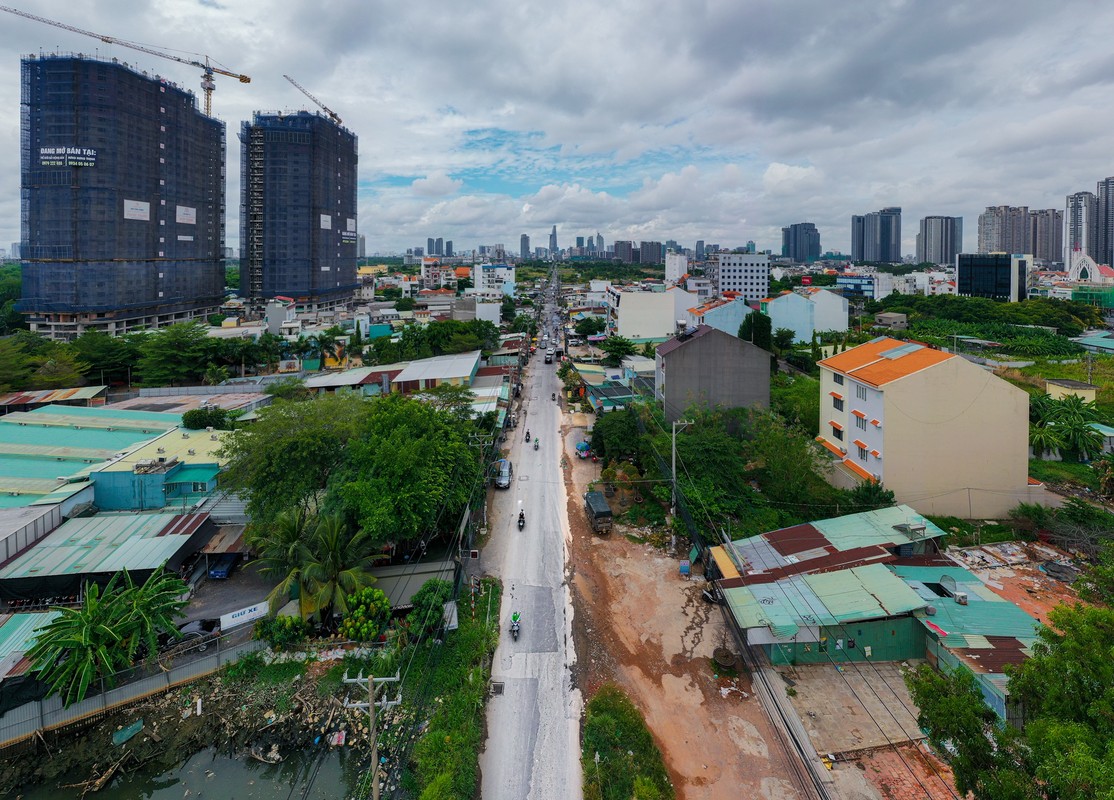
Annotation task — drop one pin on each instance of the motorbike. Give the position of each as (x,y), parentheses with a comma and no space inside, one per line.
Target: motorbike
(527,435)
(535,444)
(521,521)
(514,630)
(554,396)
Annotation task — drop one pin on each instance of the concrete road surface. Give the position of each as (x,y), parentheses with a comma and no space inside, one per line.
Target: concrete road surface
(533,749)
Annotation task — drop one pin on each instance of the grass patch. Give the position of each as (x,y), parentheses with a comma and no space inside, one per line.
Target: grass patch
(630,764)
(964,533)
(452,680)
(1102,375)
(1064,472)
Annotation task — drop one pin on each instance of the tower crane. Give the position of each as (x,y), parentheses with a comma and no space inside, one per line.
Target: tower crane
(208,70)
(332,114)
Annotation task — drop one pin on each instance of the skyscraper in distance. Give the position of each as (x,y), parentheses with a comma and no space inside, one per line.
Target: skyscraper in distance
(1104,221)
(122,185)
(800,242)
(524,246)
(298,210)
(876,237)
(553,242)
(1004,229)
(1080,225)
(940,240)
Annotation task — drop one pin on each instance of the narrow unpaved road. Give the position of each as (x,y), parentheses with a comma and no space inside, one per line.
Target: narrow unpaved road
(641,625)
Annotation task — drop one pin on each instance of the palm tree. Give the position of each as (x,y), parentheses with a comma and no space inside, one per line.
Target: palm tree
(283,551)
(149,610)
(1044,439)
(270,348)
(339,564)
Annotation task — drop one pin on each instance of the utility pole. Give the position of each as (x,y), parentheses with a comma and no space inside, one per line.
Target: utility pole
(373,733)
(673,469)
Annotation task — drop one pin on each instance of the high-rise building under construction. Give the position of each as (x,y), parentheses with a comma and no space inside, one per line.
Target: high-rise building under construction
(122,199)
(298,209)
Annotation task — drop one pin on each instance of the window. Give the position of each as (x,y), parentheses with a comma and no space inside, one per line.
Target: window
(860,423)
(837,404)
(860,392)
(837,434)
(862,454)
(838,379)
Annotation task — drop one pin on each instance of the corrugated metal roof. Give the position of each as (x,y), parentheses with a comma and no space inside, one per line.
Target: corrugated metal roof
(51,395)
(105,543)
(440,368)
(875,527)
(17,635)
(199,473)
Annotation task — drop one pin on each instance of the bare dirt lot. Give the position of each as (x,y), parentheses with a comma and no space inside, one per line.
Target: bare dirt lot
(641,625)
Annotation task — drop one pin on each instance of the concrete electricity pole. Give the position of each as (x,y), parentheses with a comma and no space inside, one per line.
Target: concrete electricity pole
(673,469)
(373,732)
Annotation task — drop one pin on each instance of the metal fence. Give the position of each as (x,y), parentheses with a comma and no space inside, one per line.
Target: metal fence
(131,686)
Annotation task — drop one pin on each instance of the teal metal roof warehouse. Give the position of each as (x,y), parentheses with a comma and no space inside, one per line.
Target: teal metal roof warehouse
(42,451)
(871,587)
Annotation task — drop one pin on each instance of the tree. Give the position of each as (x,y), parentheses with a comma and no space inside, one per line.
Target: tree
(590,326)
(1096,584)
(215,374)
(103,635)
(783,339)
(271,348)
(15,365)
(109,357)
(524,323)
(338,564)
(176,354)
(197,419)
(870,495)
(410,469)
(797,400)
(649,350)
(507,309)
(405,304)
(369,612)
(462,284)
(285,460)
(282,550)
(615,435)
(456,400)
(615,349)
(756,329)
(289,389)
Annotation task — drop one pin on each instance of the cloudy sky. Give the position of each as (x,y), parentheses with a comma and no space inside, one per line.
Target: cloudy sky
(720,120)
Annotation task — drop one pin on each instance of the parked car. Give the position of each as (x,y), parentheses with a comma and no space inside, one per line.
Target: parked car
(195,635)
(504,473)
(222,567)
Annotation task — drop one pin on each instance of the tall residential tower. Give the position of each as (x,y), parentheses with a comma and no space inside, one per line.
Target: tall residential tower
(298,209)
(122,199)
(939,240)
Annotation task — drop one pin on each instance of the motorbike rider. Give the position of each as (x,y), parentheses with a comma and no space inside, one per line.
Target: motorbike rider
(527,434)
(521,518)
(516,618)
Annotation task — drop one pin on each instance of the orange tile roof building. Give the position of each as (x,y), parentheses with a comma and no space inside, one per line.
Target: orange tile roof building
(945,435)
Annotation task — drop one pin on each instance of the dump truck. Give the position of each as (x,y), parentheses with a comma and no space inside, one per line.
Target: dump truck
(599,512)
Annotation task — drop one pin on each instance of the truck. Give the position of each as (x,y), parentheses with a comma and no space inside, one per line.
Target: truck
(599,512)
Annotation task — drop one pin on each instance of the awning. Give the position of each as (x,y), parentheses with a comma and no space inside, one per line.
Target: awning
(859,414)
(836,395)
(858,443)
(835,425)
(197,474)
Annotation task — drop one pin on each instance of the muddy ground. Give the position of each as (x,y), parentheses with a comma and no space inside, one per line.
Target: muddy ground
(640,624)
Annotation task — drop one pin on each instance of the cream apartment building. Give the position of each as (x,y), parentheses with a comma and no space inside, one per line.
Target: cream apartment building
(945,435)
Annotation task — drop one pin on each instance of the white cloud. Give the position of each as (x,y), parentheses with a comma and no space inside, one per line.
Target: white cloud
(718,120)
(436,185)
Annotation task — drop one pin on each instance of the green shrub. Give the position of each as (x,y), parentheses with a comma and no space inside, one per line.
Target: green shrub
(282,632)
(429,607)
(369,611)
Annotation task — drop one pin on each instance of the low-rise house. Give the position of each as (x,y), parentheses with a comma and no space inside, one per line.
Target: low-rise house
(707,367)
(725,315)
(871,587)
(1059,388)
(891,320)
(643,316)
(945,435)
(805,312)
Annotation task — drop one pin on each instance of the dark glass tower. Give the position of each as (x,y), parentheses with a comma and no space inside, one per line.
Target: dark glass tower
(122,199)
(298,208)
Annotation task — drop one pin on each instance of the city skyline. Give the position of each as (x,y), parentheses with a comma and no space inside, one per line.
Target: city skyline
(685,136)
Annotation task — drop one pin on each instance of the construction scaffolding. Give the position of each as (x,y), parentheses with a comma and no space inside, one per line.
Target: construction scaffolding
(298,207)
(122,193)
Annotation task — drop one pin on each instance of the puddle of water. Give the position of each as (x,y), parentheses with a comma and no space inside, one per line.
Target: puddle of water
(212,775)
